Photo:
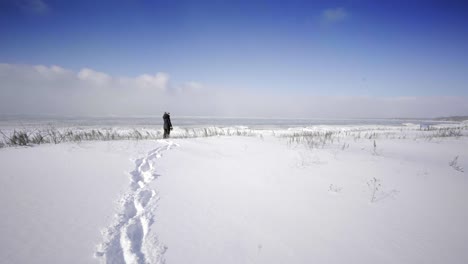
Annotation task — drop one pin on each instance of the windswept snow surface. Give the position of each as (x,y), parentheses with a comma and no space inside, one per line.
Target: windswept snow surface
(244,200)
(237,199)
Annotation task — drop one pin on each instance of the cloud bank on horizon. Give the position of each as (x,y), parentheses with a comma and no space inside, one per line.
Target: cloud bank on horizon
(39,89)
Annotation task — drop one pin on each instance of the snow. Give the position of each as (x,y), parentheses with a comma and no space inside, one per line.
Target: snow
(252,201)
(55,199)
(238,199)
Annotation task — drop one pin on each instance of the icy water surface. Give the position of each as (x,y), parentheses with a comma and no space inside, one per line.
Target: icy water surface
(191,122)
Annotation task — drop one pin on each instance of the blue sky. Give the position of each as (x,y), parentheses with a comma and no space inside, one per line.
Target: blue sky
(315,48)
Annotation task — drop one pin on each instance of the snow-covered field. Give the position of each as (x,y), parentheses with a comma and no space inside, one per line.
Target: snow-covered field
(336,194)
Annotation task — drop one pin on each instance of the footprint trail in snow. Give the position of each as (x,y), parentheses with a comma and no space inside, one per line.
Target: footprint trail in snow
(126,240)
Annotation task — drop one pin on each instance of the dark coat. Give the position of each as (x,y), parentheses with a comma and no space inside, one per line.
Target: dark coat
(167,121)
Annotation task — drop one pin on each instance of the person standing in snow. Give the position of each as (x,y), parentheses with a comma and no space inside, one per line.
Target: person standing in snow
(167,125)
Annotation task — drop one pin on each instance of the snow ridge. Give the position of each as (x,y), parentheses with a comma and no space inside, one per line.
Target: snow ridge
(126,240)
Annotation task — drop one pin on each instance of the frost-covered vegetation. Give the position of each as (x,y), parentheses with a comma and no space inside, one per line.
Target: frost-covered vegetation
(322,137)
(313,137)
(29,137)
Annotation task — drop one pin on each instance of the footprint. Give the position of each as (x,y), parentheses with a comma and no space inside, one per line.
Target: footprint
(144,197)
(131,241)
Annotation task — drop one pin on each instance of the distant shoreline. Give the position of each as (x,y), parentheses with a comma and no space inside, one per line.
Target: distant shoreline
(452,118)
(110,117)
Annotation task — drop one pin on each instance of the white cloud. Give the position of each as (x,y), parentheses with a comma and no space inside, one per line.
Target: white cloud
(193,85)
(54,90)
(38,7)
(52,71)
(26,89)
(159,81)
(334,15)
(190,87)
(95,77)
